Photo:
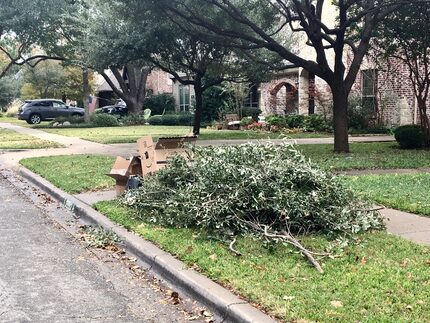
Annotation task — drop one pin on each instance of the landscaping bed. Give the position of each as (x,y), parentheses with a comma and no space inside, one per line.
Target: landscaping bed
(14,140)
(405,192)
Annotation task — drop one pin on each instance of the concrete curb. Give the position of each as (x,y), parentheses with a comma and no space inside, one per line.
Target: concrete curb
(221,301)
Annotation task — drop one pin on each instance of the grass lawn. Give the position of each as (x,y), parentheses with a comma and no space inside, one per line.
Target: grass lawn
(382,279)
(14,140)
(15,120)
(383,155)
(406,192)
(74,174)
(115,135)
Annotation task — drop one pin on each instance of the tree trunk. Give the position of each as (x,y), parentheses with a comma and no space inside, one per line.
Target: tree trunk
(340,119)
(424,121)
(199,106)
(134,92)
(86,94)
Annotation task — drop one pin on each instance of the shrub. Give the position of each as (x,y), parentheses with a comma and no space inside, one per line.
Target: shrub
(134,120)
(275,120)
(295,120)
(409,136)
(160,103)
(180,119)
(316,122)
(251,112)
(225,192)
(104,120)
(12,108)
(185,119)
(170,120)
(217,101)
(156,120)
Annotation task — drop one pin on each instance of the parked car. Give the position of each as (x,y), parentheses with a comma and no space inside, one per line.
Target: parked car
(35,111)
(118,110)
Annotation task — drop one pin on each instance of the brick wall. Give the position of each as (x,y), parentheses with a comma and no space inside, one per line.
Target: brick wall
(159,82)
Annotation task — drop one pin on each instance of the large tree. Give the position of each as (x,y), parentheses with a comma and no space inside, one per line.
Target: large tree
(33,30)
(259,24)
(406,37)
(104,53)
(148,34)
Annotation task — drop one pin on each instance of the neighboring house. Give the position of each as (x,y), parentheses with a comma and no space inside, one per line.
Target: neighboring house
(158,82)
(386,90)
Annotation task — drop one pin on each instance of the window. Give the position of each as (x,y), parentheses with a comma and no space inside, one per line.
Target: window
(41,104)
(252,99)
(184,98)
(369,88)
(58,105)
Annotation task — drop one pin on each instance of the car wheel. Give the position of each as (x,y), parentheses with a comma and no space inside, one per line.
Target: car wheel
(34,119)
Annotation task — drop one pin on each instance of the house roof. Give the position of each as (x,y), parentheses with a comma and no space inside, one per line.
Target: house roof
(105,87)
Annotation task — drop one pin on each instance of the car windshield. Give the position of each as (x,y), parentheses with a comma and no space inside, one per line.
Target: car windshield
(25,105)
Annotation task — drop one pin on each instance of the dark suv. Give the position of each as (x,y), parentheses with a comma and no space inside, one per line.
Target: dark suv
(35,111)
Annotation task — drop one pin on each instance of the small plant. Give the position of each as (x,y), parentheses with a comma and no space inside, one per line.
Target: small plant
(98,237)
(256,126)
(246,121)
(409,136)
(104,120)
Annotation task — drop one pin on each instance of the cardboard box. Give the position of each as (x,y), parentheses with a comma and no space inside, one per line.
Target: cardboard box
(155,156)
(152,158)
(122,170)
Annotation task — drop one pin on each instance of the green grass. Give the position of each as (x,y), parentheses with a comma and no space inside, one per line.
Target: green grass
(74,174)
(384,155)
(391,285)
(14,140)
(406,192)
(115,135)
(14,120)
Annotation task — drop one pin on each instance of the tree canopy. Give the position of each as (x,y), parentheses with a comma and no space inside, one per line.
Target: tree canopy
(251,24)
(406,37)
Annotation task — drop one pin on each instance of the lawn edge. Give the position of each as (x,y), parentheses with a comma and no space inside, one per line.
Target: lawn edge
(220,300)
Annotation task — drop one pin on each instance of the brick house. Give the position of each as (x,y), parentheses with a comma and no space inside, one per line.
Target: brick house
(383,88)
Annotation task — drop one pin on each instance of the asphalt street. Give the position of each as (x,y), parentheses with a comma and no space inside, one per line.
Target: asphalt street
(49,275)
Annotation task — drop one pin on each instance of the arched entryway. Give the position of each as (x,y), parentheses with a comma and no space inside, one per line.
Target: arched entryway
(285,98)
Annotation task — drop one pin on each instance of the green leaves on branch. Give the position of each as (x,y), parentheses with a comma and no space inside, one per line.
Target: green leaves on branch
(266,191)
